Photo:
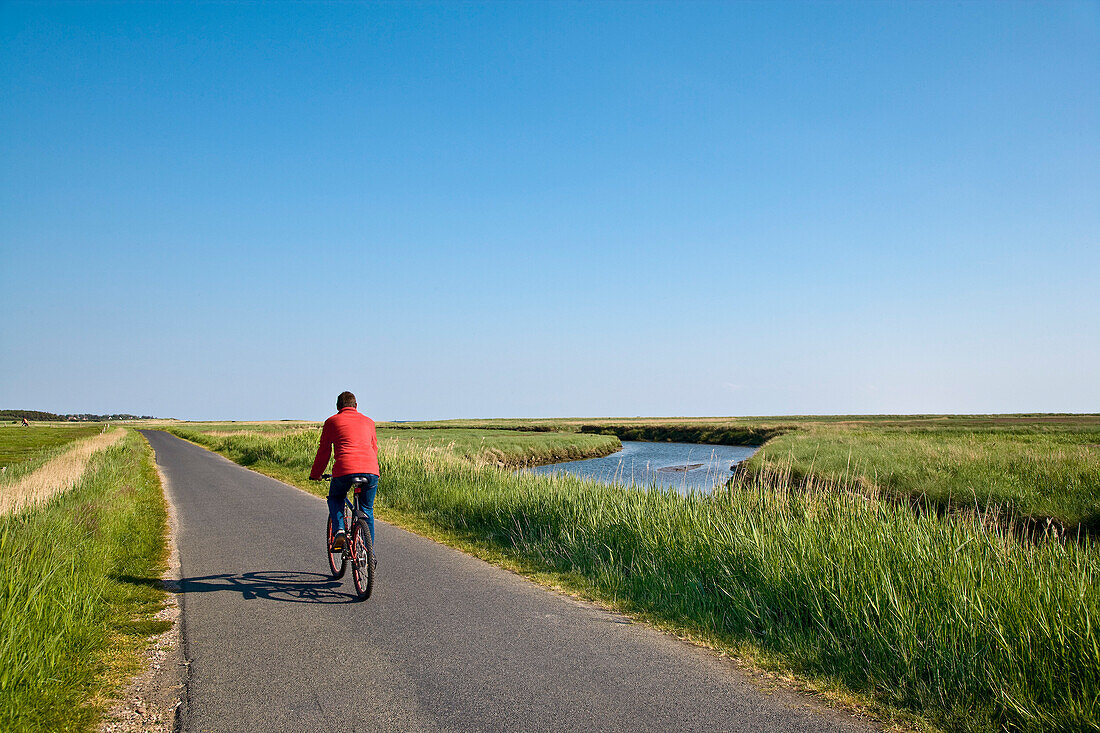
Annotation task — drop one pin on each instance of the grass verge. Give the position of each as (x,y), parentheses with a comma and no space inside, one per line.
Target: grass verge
(78,592)
(947,619)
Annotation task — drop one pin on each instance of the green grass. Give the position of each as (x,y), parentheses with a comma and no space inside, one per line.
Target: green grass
(78,592)
(19,444)
(947,619)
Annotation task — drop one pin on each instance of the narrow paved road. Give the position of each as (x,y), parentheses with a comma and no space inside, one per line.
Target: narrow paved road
(446,643)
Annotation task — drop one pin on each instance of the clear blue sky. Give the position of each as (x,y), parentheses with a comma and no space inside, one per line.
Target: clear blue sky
(529,209)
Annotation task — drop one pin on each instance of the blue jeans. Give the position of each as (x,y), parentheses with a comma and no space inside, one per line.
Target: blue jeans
(338,491)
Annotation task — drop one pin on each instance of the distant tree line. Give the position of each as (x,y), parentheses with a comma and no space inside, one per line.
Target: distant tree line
(77,417)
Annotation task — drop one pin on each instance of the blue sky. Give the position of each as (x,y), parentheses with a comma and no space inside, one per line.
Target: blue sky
(543,209)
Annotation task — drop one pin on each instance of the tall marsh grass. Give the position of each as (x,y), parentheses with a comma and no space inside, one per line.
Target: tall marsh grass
(948,617)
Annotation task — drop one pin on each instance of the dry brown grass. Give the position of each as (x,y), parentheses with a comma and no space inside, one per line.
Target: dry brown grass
(59,474)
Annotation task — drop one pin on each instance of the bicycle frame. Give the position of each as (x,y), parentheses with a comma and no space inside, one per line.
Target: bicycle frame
(351,509)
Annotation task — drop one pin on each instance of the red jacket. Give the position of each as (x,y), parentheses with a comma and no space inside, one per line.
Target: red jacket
(352,434)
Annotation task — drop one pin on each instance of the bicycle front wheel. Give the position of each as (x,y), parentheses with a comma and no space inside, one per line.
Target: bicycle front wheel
(362,559)
(337,561)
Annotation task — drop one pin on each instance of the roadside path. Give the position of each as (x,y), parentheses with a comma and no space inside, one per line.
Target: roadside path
(447,642)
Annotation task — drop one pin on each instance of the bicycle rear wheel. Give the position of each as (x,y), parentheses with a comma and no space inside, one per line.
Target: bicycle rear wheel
(337,561)
(362,559)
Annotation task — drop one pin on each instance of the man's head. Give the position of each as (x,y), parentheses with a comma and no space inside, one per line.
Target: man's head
(346,399)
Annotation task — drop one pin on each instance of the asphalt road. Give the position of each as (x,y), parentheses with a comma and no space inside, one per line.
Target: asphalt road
(446,642)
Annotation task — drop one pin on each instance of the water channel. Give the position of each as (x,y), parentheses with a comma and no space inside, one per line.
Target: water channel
(682,466)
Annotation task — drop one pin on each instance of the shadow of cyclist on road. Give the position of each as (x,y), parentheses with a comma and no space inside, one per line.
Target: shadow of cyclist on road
(273,585)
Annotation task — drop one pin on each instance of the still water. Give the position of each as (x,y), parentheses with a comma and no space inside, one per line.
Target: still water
(683,466)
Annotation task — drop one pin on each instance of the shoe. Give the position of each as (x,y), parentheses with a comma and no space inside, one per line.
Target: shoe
(338,541)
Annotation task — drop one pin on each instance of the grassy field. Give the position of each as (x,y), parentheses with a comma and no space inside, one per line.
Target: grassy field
(78,591)
(19,444)
(945,619)
(35,481)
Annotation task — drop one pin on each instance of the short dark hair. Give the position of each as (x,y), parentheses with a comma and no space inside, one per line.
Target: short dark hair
(346,399)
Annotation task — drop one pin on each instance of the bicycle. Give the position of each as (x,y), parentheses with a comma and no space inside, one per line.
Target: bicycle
(358,547)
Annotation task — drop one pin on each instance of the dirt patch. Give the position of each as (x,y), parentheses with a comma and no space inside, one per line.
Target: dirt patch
(151,702)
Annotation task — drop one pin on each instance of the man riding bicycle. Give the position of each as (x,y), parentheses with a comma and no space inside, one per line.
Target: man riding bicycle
(353,436)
